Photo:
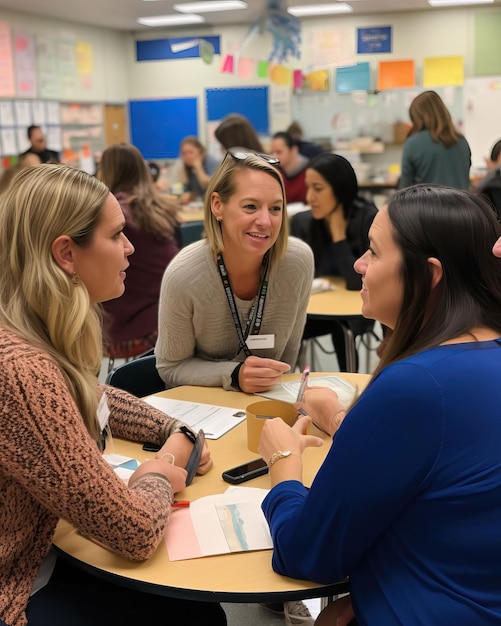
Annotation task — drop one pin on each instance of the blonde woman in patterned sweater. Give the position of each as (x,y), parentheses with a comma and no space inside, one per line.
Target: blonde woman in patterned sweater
(62,251)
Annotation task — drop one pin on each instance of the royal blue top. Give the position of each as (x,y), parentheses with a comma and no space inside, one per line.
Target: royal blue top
(408,500)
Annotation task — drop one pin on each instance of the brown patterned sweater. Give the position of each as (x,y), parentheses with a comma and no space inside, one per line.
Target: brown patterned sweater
(50,468)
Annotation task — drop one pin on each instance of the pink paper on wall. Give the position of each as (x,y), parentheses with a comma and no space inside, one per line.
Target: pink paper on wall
(7,85)
(297,79)
(245,68)
(227,64)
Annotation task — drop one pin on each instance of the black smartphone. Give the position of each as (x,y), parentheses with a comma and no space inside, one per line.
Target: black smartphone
(246,471)
(151,447)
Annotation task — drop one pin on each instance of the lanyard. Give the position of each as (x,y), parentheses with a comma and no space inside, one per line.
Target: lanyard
(255,317)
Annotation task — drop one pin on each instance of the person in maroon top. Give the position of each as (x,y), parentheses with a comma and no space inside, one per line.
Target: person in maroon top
(130,325)
(292,165)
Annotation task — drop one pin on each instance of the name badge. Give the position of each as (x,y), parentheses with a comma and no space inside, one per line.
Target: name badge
(103,412)
(259,342)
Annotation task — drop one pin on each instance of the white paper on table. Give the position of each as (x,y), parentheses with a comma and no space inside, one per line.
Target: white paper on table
(221,523)
(288,391)
(215,421)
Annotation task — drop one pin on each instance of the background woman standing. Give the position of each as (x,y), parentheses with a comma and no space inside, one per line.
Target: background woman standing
(435,151)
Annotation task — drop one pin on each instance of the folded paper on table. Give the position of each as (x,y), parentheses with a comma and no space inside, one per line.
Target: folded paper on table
(287,392)
(219,524)
(321,284)
(124,466)
(214,420)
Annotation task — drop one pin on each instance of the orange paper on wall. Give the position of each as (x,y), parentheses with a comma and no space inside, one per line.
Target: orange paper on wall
(394,74)
(442,71)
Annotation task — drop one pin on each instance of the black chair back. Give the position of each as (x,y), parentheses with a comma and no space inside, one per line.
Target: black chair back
(139,377)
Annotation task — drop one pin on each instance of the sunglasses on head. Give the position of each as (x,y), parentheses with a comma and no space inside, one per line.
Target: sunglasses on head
(240,155)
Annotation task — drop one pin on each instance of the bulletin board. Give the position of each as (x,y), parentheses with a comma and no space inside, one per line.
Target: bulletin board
(252,102)
(158,126)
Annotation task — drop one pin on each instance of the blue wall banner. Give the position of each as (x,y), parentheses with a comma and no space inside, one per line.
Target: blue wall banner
(177,48)
(374,40)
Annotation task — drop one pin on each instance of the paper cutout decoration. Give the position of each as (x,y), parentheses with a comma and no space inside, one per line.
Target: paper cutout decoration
(395,74)
(316,81)
(246,68)
(262,69)
(227,64)
(443,71)
(297,79)
(281,75)
(206,51)
(284,28)
(353,78)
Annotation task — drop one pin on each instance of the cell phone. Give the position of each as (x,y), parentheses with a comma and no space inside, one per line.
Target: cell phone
(151,447)
(246,471)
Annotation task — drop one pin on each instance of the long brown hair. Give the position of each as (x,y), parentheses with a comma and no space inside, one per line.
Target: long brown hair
(236,130)
(124,170)
(38,300)
(458,228)
(428,112)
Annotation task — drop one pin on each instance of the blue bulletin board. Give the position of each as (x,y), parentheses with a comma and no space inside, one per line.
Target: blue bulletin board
(158,126)
(249,101)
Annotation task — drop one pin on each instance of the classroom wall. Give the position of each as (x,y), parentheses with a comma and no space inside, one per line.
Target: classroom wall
(416,35)
(112,53)
(118,77)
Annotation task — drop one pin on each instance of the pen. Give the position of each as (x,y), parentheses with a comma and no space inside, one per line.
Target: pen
(180,503)
(304,381)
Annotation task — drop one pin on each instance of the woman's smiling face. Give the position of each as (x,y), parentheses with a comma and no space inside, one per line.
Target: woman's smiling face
(252,217)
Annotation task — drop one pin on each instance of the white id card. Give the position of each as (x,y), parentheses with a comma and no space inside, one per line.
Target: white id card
(103,412)
(259,342)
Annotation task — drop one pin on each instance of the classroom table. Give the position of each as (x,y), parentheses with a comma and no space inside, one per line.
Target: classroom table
(338,305)
(237,577)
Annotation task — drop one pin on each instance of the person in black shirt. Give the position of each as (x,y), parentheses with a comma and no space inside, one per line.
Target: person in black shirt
(39,146)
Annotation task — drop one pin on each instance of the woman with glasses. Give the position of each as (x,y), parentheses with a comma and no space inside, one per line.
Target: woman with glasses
(233,305)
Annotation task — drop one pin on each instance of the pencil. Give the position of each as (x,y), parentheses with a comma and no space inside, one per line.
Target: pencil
(304,382)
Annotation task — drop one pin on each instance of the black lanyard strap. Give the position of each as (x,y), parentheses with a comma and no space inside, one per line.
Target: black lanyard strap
(256,312)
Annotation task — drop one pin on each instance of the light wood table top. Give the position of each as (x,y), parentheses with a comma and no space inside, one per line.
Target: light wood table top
(339,303)
(237,577)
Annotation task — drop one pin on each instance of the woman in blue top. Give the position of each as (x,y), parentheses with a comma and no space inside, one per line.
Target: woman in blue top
(408,500)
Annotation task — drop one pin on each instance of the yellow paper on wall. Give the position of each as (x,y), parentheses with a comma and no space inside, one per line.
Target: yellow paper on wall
(442,71)
(281,75)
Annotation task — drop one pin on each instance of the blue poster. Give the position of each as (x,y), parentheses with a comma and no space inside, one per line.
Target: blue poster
(374,40)
(353,78)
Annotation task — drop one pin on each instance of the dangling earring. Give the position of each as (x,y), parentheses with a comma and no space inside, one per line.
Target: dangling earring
(75,278)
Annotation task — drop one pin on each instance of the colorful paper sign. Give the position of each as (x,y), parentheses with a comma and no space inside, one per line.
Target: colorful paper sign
(443,71)
(353,78)
(395,74)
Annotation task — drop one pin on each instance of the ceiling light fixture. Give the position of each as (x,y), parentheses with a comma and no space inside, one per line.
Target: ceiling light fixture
(451,3)
(171,20)
(319,9)
(210,6)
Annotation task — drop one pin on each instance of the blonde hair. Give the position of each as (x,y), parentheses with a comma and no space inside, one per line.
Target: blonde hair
(223,183)
(428,112)
(123,169)
(38,300)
